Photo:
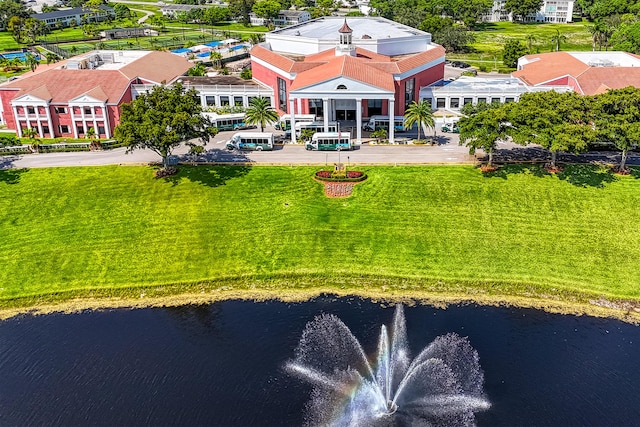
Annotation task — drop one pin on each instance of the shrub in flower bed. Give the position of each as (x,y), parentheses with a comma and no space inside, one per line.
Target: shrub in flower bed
(340,176)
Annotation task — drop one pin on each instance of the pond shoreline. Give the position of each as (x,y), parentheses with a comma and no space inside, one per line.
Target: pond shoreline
(406,291)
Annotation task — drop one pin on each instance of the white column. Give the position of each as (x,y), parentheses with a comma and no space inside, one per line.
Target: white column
(299,105)
(73,123)
(38,124)
(391,118)
(49,122)
(95,122)
(325,109)
(107,127)
(15,116)
(358,120)
(293,122)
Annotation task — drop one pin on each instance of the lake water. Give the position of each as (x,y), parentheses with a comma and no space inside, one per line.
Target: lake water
(221,364)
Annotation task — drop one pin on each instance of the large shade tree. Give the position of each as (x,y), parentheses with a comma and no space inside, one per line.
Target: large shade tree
(260,112)
(618,119)
(162,119)
(483,127)
(420,113)
(556,121)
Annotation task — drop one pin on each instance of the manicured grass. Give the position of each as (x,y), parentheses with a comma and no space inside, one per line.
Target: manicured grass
(520,231)
(491,37)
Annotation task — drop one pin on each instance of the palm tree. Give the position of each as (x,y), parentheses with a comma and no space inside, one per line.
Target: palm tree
(557,39)
(530,39)
(51,57)
(31,61)
(260,112)
(216,58)
(420,113)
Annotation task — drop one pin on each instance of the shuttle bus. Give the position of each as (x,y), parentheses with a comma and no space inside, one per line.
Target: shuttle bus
(315,126)
(284,122)
(382,122)
(227,122)
(257,141)
(334,141)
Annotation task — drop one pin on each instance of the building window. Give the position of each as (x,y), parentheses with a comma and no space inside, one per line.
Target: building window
(467,101)
(409,91)
(315,107)
(61,110)
(237,101)
(101,130)
(87,110)
(282,95)
(341,87)
(482,101)
(441,102)
(210,101)
(495,100)
(509,100)
(224,101)
(455,103)
(80,129)
(374,107)
(31,110)
(45,129)
(63,128)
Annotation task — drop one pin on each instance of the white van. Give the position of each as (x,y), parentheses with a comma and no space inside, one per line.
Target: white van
(256,141)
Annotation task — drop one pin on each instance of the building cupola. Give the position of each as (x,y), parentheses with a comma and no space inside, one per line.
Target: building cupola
(345,41)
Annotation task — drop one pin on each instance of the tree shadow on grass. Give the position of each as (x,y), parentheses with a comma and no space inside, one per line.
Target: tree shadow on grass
(11,176)
(512,169)
(635,172)
(587,175)
(208,175)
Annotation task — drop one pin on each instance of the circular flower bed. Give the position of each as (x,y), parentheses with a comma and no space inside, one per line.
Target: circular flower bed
(339,182)
(340,176)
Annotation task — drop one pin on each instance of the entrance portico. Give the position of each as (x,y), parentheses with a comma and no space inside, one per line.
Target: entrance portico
(341,100)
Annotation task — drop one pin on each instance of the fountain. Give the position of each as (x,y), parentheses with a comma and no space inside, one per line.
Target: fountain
(442,385)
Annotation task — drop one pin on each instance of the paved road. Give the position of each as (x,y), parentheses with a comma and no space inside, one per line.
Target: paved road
(448,151)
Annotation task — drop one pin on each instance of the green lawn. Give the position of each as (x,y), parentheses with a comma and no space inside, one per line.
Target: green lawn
(520,232)
(491,37)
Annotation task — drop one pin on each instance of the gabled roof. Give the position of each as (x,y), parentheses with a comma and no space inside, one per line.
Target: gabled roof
(413,61)
(548,67)
(70,12)
(109,85)
(272,58)
(597,80)
(41,92)
(345,66)
(157,67)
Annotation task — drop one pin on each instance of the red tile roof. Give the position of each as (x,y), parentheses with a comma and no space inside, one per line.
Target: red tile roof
(597,80)
(273,58)
(345,66)
(59,85)
(592,80)
(367,66)
(416,60)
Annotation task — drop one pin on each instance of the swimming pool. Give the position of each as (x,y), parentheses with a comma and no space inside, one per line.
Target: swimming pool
(20,55)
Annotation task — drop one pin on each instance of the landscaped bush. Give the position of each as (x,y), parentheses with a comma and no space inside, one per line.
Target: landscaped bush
(8,140)
(341,176)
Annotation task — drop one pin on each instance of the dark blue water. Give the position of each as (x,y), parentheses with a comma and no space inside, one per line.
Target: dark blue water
(221,364)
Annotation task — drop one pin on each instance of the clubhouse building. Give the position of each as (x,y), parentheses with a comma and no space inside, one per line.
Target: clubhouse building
(346,69)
